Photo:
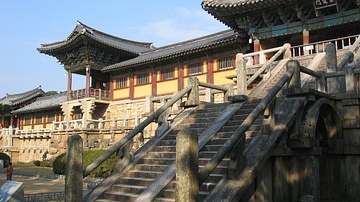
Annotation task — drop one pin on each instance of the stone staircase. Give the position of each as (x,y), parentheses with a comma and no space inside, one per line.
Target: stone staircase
(144,172)
(211,148)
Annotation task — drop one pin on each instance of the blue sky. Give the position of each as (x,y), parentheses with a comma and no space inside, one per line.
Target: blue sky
(24,25)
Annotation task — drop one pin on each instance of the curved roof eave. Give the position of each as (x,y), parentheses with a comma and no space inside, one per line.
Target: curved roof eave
(82,31)
(175,50)
(43,103)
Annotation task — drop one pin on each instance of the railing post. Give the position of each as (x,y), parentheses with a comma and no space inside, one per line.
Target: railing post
(193,96)
(321,84)
(241,77)
(149,105)
(269,122)
(287,52)
(209,97)
(74,172)
(229,92)
(187,156)
(331,64)
(294,85)
(350,79)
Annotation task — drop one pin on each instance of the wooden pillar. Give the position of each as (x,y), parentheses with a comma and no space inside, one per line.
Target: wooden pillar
(210,71)
(153,83)
(87,89)
(306,40)
(180,77)
(69,84)
(131,86)
(256,49)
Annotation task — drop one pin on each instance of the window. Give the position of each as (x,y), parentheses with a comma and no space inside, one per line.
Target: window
(195,68)
(51,118)
(28,120)
(121,82)
(226,62)
(167,74)
(143,78)
(38,119)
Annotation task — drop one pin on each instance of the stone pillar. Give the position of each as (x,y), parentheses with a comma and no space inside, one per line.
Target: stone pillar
(74,171)
(331,65)
(310,186)
(193,97)
(241,77)
(187,156)
(350,78)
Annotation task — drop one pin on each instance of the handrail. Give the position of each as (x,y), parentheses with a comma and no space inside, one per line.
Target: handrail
(267,64)
(239,133)
(134,132)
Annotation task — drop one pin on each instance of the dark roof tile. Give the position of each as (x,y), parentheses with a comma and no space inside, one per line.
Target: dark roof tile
(15,99)
(82,30)
(174,50)
(42,103)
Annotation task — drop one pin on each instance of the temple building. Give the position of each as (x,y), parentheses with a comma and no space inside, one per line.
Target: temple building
(126,80)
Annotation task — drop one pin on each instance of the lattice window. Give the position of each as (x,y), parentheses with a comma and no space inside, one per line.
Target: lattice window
(38,119)
(143,78)
(226,62)
(121,82)
(28,120)
(195,68)
(167,74)
(50,118)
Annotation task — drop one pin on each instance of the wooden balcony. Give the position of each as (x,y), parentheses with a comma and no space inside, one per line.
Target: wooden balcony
(98,94)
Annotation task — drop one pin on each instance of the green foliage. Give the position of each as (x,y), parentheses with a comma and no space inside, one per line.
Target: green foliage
(104,170)
(37,162)
(59,164)
(46,163)
(51,93)
(44,156)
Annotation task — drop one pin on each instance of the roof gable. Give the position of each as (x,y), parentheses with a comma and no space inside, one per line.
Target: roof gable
(15,99)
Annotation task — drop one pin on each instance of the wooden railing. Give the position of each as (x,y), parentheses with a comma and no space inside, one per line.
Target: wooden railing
(98,94)
(319,47)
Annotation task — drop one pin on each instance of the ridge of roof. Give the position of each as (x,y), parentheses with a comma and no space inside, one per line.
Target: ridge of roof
(110,40)
(46,102)
(177,48)
(14,99)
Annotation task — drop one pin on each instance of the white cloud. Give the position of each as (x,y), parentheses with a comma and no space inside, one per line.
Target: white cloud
(187,25)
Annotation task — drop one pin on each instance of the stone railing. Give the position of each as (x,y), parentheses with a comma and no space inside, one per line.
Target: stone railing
(326,82)
(53,196)
(98,124)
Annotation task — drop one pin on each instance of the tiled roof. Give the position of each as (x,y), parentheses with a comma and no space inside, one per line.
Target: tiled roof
(226,11)
(82,30)
(241,5)
(178,49)
(15,99)
(42,103)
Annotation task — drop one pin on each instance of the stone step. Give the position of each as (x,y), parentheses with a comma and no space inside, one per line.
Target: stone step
(135,181)
(143,174)
(120,196)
